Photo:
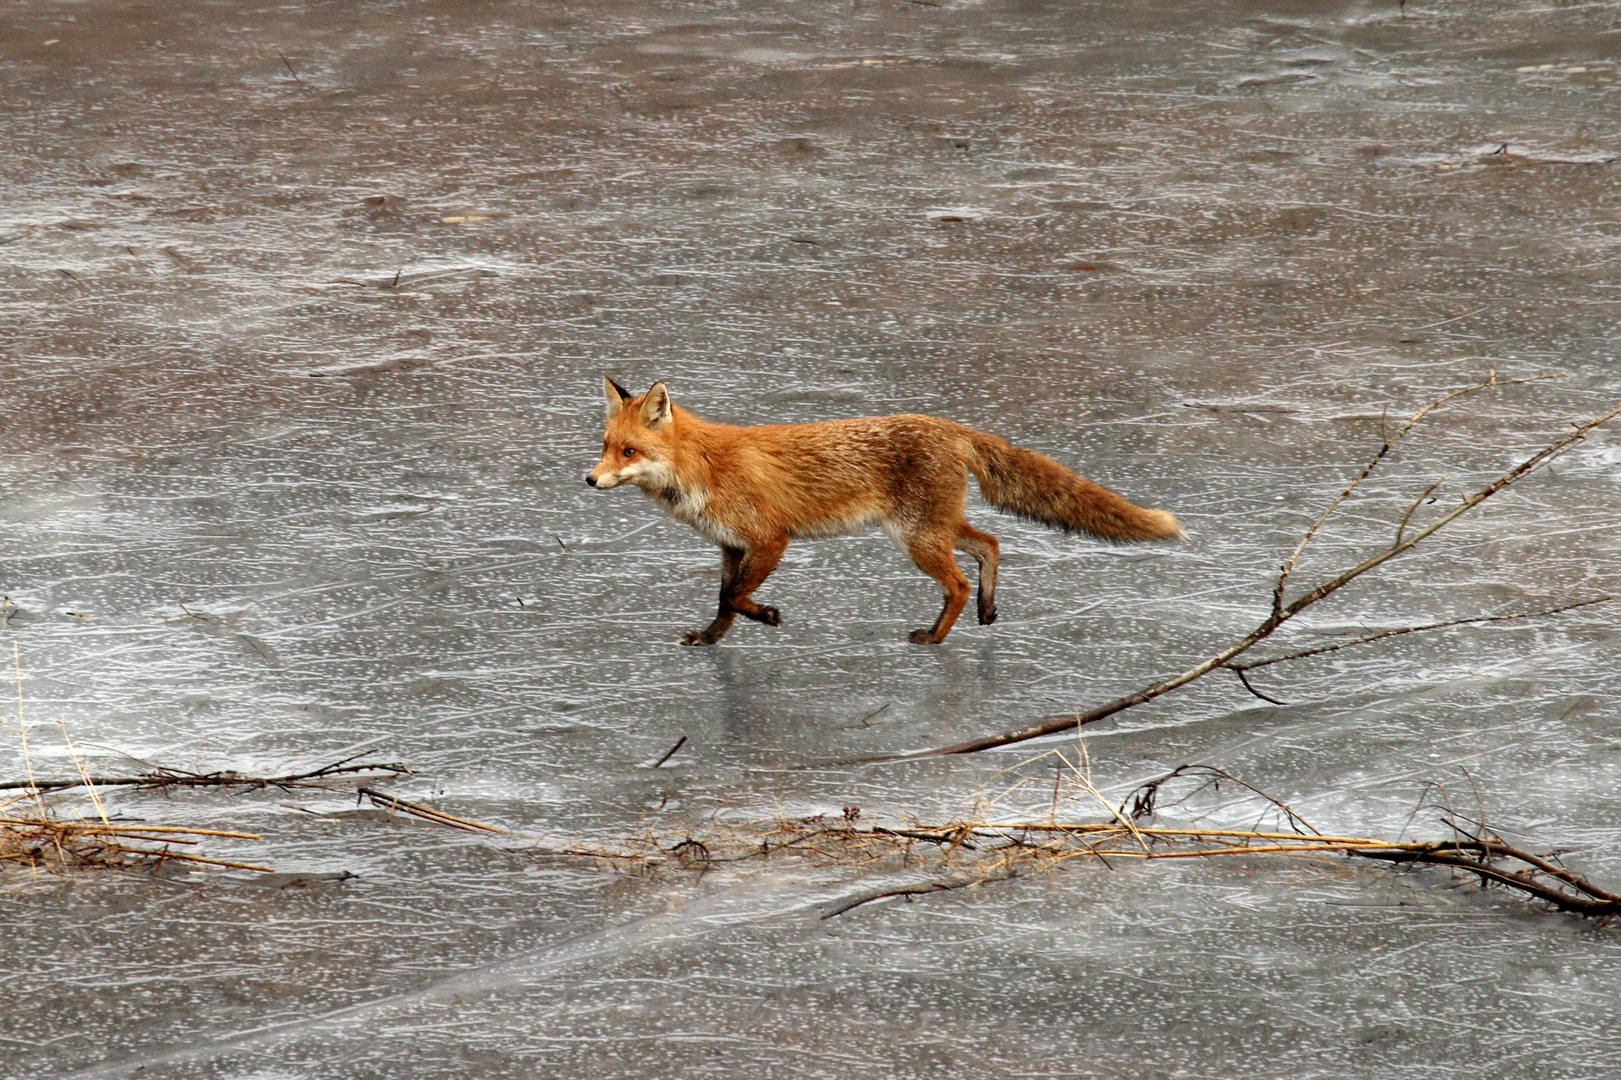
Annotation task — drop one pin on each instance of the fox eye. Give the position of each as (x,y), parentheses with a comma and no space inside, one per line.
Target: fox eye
(630,451)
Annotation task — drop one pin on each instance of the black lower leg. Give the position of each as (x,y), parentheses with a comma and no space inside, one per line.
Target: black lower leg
(731,561)
(987,605)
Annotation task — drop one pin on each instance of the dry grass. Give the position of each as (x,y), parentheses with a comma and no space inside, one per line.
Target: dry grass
(36,839)
(43,831)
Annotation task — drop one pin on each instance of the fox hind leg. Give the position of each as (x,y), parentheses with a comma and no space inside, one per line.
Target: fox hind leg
(985,550)
(932,553)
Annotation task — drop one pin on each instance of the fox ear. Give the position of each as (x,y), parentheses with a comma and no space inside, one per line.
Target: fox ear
(616,396)
(656,407)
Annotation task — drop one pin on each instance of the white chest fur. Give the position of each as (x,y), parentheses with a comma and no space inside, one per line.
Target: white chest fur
(688,506)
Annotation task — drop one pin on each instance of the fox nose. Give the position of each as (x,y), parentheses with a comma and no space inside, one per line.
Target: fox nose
(589,479)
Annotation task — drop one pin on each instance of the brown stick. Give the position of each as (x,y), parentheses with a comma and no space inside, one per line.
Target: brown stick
(394,803)
(167,777)
(914,890)
(1245,679)
(290,70)
(670,753)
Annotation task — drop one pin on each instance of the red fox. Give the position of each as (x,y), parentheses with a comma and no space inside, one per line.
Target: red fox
(753,489)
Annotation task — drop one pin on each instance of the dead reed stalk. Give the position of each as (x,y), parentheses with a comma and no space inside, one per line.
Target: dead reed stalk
(36,838)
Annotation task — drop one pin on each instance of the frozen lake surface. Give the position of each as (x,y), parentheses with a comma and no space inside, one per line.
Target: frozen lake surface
(303,316)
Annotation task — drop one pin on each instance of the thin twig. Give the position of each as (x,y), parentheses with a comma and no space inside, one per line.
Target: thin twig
(290,70)
(1143,799)
(1320,650)
(670,753)
(1387,445)
(1411,510)
(913,890)
(394,803)
(1245,679)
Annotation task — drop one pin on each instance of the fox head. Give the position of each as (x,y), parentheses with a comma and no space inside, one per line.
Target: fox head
(637,443)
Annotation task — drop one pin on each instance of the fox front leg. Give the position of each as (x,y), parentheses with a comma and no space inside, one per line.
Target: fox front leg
(730,560)
(741,572)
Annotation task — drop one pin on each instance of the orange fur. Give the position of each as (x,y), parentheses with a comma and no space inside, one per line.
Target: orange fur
(753,489)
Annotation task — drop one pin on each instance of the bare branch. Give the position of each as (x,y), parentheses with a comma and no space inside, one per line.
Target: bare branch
(1010,848)
(1597,902)
(1387,445)
(163,777)
(1282,613)
(1251,665)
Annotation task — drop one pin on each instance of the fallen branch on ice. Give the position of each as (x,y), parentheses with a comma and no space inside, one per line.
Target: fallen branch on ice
(984,848)
(162,776)
(1282,612)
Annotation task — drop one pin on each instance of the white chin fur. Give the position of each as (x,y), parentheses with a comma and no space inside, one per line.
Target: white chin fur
(648,475)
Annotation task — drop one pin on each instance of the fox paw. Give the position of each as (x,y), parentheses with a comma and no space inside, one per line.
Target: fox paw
(698,637)
(922,637)
(987,615)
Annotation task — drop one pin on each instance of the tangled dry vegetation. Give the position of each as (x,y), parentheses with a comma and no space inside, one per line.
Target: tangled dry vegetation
(45,829)
(996,841)
(57,825)
(35,837)
(42,831)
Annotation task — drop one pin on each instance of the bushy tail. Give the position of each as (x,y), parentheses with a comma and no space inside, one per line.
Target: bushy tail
(1035,486)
